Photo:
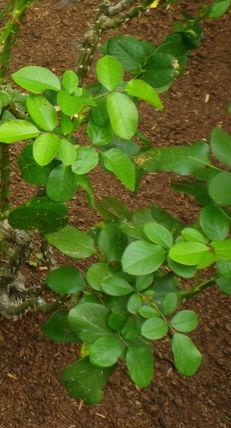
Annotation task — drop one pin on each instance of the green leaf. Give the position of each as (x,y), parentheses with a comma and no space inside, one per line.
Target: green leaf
(66,124)
(182,160)
(140,89)
(56,328)
(112,242)
(189,253)
(39,213)
(214,223)
(158,234)
(72,242)
(89,320)
(17,130)
(123,115)
(131,329)
(224,268)
(45,148)
(85,381)
(144,281)
(147,311)
(196,189)
(98,135)
(222,249)
(66,279)
(139,360)
(170,303)
(191,234)
(218,8)
(141,258)
(154,328)
(70,104)
(224,284)
(30,170)
(36,79)
(116,286)
(186,355)
(96,274)
(134,303)
(66,152)
(220,188)
(121,166)
(105,351)
(182,270)
(221,146)
(61,184)
(84,182)
(109,72)
(70,81)
(87,159)
(42,112)
(160,70)
(128,50)
(185,321)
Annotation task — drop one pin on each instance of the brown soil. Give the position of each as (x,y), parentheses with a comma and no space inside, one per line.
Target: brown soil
(30,392)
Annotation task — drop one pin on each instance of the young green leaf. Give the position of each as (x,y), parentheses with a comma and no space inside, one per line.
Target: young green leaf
(189,253)
(220,188)
(140,364)
(36,79)
(69,104)
(186,355)
(140,89)
(66,279)
(142,258)
(158,234)
(185,321)
(61,184)
(87,159)
(85,381)
(119,164)
(123,115)
(70,81)
(56,328)
(214,223)
(154,328)
(191,234)
(221,146)
(42,112)
(17,130)
(45,148)
(105,351)
(109,72)
(222,249)
(218,8)
(72,242)
(66,152)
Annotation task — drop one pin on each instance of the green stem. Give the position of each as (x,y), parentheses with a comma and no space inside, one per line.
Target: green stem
(197,289)
(4,178)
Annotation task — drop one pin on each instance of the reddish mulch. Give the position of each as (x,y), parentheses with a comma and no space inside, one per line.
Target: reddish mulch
(30,392)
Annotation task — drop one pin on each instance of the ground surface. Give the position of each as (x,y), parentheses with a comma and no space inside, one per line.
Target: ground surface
(30,392)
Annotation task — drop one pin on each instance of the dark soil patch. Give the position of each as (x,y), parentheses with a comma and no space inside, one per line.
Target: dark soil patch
(30,392)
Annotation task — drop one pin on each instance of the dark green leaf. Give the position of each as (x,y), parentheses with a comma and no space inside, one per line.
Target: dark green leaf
(139,360)
(214,223)
(89,320)
(105,351)
(196,189)
(85,381)
(112,242)
(160,70)
(56,328)
(30,170)
(72,242)
(187,357)
(66,279)
(221,146)
(220,188)
(39,213)
(134,303)
(224,284)
(61,184)
(128,50)
(96,274)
